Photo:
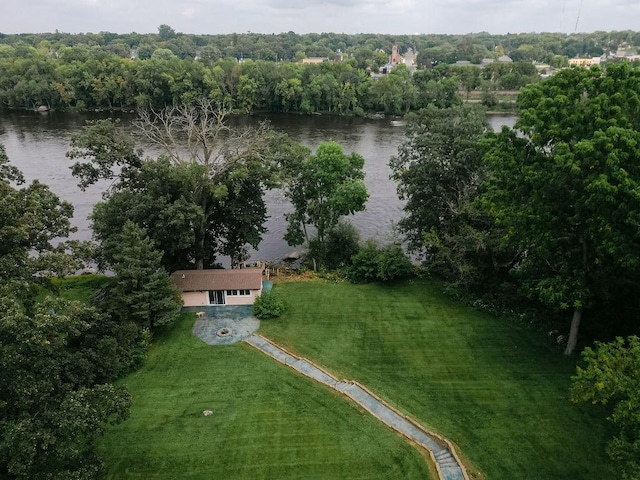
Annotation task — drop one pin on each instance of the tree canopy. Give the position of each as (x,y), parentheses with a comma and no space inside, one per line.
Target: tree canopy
(56,357)
(564,186)
(323,188)
(202,198)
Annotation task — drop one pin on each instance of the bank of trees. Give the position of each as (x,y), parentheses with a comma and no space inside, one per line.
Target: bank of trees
(58,358)
(200,199)
(252,72)
(553,202)
(545,212)
(87,72)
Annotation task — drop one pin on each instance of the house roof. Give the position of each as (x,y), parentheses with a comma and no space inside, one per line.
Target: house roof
(216,279)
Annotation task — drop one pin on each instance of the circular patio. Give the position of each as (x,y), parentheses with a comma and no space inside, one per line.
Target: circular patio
(224,325)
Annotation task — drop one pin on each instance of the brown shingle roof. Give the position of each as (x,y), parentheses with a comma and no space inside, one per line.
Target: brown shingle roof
(201,280)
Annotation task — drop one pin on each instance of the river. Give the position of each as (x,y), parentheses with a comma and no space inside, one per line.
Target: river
(36,143)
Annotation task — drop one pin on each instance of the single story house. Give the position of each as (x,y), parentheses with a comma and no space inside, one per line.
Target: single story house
(218,287)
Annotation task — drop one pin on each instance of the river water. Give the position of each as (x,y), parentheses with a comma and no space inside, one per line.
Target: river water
(36,143)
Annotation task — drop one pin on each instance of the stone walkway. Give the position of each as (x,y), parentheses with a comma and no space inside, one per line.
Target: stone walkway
(449,467)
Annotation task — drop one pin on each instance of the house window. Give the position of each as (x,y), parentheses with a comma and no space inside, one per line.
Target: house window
(238,293)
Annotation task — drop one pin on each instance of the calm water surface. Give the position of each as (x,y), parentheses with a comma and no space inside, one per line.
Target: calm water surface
(37,144)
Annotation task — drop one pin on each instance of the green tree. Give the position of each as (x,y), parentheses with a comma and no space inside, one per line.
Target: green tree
(609,376)
(438,171)
(564,187)
(142,290)
(53,406)
(31,219)
(202,198)
(323,188)
(165,32)
(379,264)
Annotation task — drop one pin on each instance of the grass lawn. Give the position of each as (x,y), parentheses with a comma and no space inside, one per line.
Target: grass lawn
(268,422)
(74,287)
(493,387)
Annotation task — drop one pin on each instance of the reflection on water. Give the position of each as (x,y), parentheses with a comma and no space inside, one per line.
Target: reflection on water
(37,144)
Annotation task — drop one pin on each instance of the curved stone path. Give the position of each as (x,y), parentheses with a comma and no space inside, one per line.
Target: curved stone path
(448,465)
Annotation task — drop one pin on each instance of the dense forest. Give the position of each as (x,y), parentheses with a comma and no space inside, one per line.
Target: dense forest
(255,72)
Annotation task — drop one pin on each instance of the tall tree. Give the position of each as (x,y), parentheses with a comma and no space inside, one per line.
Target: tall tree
(232,166)
(31,219)
(323,188)
(142,290)
(203,197)
(565,183)
(439,172)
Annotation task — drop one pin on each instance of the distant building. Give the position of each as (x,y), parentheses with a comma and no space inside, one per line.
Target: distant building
(395,57)
(311,60)
(584,62)
(505,59)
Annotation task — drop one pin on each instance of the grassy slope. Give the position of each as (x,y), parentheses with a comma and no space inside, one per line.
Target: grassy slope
(81,287)
(268,421)
(494,388)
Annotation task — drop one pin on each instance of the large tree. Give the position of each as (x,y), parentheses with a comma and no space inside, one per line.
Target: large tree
(323,188)
(56,357)
(32,217)
(203,197)
(439,172)
(142,291)
(565,187)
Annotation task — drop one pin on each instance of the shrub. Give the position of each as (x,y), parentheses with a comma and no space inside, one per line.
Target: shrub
(268,305)
(364,264)
(372,264)
(341,243)
(393,263)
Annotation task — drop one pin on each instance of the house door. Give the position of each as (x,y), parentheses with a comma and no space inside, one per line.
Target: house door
(216,297)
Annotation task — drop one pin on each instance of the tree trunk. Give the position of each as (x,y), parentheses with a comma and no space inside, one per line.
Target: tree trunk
(200,249)
(573,331)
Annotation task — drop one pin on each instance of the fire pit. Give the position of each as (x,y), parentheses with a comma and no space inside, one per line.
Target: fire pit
(224,332)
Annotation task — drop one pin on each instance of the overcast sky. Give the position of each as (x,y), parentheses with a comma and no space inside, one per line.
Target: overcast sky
(304,16)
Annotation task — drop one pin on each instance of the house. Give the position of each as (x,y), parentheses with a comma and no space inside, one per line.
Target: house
(584,62)
(314,60)
(218,287)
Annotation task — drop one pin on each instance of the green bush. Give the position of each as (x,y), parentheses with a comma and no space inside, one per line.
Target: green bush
(373,263)
(341,243)
(268,305)
(364,264)
(393,263)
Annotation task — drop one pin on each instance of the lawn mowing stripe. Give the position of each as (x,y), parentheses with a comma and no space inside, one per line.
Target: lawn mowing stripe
(447,463)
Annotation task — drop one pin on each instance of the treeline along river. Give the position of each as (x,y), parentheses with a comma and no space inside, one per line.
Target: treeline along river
(36,143)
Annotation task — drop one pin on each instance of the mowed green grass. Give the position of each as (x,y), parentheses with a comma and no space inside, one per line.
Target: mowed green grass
(75,287)
(494,387)
(268,422)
